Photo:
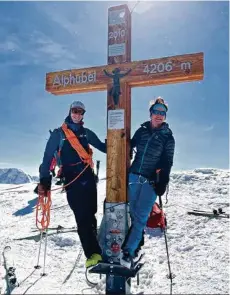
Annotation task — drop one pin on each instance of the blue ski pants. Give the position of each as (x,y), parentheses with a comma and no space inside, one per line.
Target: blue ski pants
(141,196)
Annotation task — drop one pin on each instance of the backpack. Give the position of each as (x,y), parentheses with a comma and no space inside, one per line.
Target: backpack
(157,218)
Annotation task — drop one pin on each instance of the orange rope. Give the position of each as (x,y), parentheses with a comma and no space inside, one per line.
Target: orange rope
(43,211)
(55,189)
(73,140)
(44,202)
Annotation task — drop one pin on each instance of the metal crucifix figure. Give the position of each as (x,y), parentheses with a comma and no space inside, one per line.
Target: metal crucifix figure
(115,90)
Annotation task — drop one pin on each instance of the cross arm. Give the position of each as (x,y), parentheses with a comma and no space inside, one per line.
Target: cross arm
(174,69)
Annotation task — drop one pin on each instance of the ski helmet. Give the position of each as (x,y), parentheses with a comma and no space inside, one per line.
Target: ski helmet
(77,105)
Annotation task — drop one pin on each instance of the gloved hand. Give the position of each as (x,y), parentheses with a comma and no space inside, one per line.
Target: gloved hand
(160,188)
(161,183)
(36,190)
(44,186)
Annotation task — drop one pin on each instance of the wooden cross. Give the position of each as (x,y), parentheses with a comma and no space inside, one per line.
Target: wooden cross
(118,77)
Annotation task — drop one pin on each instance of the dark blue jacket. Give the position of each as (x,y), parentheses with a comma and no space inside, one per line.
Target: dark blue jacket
(69,156)
(155,150)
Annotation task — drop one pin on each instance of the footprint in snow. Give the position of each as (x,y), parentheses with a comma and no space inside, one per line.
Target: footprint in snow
(185,249)
(63,242)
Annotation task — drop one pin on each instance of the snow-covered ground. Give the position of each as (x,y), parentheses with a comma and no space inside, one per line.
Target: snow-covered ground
(198,246)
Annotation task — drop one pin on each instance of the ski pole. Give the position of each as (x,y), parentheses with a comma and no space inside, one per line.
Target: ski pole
(44,263)
(170,276)
(98,167)
(39,251)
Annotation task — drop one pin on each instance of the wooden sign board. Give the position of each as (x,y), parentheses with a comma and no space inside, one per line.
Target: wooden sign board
(174,69)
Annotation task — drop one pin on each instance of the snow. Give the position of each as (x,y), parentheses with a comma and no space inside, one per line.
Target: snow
(198,246)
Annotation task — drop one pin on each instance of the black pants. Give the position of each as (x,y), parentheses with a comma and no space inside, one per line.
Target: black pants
(82,199)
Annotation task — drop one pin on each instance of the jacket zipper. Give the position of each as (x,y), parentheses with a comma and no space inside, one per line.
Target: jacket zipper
(142,160)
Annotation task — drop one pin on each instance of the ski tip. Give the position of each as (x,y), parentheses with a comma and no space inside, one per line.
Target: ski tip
(7,248)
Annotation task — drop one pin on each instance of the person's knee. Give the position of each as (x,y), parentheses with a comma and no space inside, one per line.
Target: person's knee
(83,224)
(140,219)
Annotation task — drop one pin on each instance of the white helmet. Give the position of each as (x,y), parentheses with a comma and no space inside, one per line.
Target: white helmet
(77,104)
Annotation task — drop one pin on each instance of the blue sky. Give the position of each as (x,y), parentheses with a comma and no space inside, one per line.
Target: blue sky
(40,37)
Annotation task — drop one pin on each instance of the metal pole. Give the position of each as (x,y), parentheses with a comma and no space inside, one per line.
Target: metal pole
(39,251)
(170,276)
(98,167)
(44,264)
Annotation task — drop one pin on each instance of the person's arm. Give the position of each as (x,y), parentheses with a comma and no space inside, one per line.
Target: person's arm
(135,138)
(168,156)
(95,141)
(124,74)
(51,147)
(133,142)
(108,74)
(167,163)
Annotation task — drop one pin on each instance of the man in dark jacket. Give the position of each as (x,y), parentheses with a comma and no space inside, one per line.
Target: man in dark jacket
(154,145)
(74,140)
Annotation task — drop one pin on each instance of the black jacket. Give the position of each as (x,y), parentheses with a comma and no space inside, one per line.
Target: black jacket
(68,155)
(155,150)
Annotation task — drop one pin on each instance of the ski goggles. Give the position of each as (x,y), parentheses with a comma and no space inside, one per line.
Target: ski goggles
(157,112)
(77,111)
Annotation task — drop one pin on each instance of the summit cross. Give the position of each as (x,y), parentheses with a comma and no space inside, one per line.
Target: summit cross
(118,77)
(173,69)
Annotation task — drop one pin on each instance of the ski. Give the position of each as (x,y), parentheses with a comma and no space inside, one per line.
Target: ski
(58,228)
(11,279)
(58,207)
(36,237)
(75,265)
(209,214)
(11,188)
(140,259)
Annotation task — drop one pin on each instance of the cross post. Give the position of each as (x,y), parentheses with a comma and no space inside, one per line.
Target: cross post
(118,77)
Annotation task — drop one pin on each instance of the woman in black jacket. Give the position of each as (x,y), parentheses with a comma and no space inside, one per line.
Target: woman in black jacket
(154,143)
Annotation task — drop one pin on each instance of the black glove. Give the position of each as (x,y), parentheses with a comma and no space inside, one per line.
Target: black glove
(45,185)
(46,182)
(36,190)
(160,188)
(162,181)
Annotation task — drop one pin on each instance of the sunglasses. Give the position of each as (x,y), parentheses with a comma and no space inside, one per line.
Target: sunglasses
(77,111)
(156,112)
